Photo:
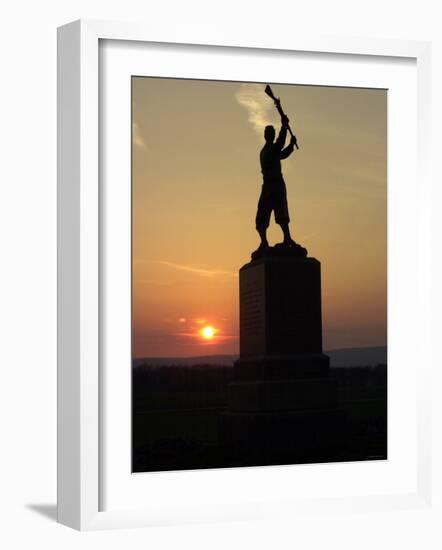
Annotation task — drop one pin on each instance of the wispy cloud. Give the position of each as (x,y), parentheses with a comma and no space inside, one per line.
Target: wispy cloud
(259,106)
(137,138)
(196,270)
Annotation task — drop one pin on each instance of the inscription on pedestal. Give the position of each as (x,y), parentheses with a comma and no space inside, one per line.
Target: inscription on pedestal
(252,322)
(252,312)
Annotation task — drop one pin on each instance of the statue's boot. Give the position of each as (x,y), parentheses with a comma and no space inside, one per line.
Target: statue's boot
(260,250)
(288,243)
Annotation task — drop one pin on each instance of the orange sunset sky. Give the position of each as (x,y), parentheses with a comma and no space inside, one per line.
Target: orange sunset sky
(196,182)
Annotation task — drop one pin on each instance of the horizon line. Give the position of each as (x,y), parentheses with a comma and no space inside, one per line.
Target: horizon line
(237,354)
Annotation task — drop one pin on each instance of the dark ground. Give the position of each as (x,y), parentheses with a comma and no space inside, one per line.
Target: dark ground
(178,412)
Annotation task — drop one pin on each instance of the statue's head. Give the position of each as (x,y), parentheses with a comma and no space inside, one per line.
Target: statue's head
(269,133)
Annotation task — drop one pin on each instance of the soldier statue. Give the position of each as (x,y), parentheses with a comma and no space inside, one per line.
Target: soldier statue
(273,196)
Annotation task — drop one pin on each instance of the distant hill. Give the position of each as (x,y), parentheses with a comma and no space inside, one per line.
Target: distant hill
(198,360)
(348,357)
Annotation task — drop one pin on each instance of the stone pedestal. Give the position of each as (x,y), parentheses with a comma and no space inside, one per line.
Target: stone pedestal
(282,405)
(280,319)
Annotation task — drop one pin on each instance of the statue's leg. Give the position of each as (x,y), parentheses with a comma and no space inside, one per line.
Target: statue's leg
(282,215)
(263,217)
(262,231)
(286,231)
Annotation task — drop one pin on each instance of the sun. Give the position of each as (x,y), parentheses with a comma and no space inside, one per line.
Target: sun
(207,332)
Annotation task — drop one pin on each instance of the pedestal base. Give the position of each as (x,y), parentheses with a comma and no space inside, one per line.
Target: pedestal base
(285,395)
(284,437)
(295,365)
(283,421)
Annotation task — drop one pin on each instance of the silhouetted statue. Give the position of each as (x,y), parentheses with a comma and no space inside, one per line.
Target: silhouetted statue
(274,194)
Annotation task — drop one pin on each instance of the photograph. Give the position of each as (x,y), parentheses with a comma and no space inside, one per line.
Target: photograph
(259,274)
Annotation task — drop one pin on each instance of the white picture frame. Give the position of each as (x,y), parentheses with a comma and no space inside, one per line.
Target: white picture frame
(80,394)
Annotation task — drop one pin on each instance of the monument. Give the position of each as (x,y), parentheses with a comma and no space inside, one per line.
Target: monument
(282,404)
